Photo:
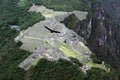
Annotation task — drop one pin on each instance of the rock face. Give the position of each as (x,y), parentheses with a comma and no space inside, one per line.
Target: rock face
(113,9)
(102,39)
(101,34)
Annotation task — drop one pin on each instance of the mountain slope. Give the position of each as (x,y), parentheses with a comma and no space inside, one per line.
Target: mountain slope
(94,30)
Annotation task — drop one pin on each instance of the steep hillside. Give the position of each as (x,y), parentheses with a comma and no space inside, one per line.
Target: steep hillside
(101,33)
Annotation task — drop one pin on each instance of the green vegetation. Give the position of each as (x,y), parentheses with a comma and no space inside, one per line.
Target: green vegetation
(64,5)
(9,65)
(75,61)
(11,14)
(29,19)
(71,21)
(11,56)
(94,58)
(97,74)
(10,53)
(57,70)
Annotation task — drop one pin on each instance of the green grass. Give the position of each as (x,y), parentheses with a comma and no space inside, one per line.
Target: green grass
(90,64)
(68,51)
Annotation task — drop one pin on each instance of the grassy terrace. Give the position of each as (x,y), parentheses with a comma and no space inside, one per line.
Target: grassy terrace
(90,64)
(67,50)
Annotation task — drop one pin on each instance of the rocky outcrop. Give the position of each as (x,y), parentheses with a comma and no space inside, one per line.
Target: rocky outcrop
(112,7)
(102,40)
